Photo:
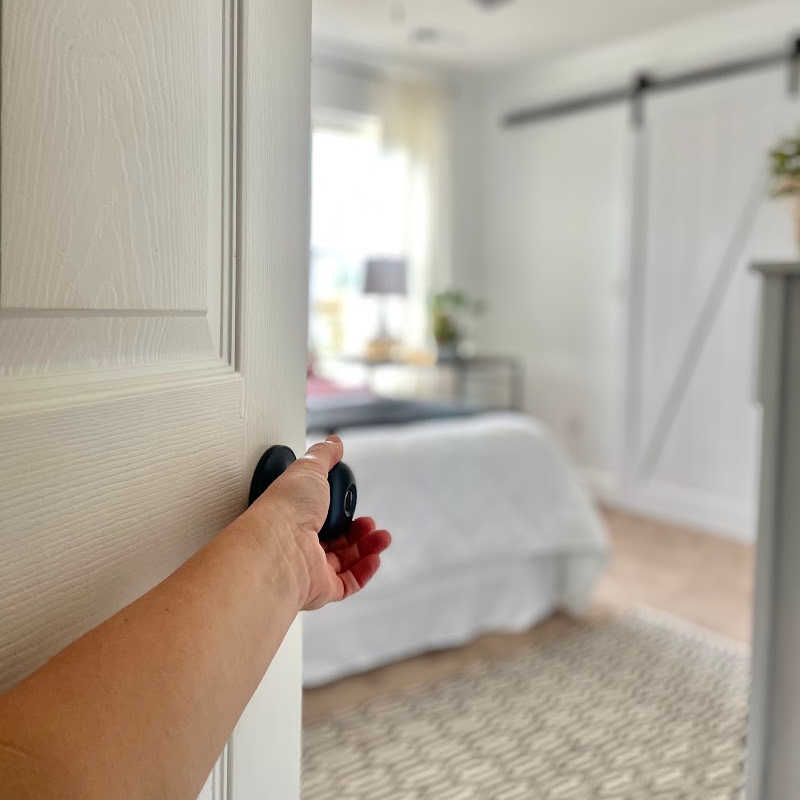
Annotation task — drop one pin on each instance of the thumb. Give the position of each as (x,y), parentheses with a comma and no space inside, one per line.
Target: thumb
(323,456)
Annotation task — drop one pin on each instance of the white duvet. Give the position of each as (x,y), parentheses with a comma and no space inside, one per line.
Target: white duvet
(485,505)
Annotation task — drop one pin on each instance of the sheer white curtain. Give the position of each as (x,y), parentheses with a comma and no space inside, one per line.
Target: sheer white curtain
(380,187)
(414,121)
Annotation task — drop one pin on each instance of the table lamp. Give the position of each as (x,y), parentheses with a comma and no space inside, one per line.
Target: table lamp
(384,277)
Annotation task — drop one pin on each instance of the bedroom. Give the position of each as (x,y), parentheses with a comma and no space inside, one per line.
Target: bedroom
(536,329)
(536,262)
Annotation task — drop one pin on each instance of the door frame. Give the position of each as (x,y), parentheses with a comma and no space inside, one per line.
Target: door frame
(273,147)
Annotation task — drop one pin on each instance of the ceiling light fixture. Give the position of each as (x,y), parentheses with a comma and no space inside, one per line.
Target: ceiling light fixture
(426,35)
(491,4)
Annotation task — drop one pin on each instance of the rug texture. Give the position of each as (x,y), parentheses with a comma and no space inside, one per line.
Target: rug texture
(639,708)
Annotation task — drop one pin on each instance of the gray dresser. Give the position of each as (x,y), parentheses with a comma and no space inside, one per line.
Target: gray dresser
(774,735)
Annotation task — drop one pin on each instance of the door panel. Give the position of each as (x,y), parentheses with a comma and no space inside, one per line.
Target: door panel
(708,212)
(118,137)
(101,500)
(108,170)
(153,284)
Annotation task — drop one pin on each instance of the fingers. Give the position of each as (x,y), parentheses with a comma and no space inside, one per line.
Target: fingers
(344,584)
(358,528)
(371,543)
(323,456)
(359,574)
(355,557)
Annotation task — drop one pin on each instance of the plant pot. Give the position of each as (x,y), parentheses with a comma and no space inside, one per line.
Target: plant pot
(797,221)
(447,351)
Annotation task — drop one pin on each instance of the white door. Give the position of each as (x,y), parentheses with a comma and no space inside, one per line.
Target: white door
(152,313)
(709,215)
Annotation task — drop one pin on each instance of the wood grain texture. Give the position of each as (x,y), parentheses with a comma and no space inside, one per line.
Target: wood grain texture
(127,261)
(43,346)
(117,190)
(100,503)
(111,153)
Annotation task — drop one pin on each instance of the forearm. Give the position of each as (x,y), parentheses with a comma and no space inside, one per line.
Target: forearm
(142,705)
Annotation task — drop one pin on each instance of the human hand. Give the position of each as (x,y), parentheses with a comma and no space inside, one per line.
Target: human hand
(336,569)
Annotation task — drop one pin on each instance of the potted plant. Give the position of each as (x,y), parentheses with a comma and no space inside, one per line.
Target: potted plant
(785,160)
(452,312)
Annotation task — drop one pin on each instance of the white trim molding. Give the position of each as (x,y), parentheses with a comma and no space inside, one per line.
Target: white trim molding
(727,517)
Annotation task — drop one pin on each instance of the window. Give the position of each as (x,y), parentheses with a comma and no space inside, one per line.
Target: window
(359,209)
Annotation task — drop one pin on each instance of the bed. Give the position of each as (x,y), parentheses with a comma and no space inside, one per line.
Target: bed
(492,532)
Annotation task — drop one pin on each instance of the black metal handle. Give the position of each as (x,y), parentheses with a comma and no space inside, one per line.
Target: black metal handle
(342,482)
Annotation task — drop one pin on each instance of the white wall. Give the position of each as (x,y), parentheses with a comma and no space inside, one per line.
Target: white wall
(554,252)
(555,216)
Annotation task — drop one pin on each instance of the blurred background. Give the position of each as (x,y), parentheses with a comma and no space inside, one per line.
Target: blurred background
(535,322)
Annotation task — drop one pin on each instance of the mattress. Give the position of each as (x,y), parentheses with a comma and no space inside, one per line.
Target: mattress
(491,531)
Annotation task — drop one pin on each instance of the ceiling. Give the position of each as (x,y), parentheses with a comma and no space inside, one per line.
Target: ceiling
(462,33)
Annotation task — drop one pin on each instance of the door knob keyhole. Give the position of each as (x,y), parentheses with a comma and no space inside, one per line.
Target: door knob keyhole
(342,483)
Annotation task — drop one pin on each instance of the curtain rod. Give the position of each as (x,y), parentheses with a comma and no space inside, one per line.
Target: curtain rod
(645,82)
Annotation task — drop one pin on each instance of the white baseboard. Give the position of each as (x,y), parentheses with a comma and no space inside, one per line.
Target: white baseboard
(722,516)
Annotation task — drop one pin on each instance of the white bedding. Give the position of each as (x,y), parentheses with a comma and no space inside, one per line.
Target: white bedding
(491,531)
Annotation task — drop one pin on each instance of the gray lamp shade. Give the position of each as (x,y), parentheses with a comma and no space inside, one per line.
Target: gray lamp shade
(385,276)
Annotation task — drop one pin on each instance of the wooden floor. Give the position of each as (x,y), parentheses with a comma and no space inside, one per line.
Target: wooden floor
(707,580)
(703,579)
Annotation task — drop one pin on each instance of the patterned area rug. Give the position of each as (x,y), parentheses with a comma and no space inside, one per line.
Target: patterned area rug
(640,708)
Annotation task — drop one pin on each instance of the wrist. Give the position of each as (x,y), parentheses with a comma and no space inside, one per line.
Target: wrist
(284,550)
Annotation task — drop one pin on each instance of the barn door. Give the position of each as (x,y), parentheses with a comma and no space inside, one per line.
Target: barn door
(708,215)
(152,313)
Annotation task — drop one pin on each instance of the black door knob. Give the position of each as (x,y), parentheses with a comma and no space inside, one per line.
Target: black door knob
(341,480)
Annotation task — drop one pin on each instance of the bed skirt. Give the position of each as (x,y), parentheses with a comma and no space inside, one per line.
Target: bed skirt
(445,611)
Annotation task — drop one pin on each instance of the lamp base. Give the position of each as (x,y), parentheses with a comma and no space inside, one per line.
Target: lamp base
(381,348)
